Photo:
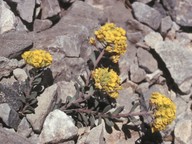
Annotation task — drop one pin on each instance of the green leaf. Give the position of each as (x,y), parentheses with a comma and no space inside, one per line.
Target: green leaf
(68,99)
(85,119)
(99,120)
(37,81)
(22,98)
(109,122)
(34,101)
(107,108)
(93,57)
(79,125)
(118,110)
(92,120)
(134,106)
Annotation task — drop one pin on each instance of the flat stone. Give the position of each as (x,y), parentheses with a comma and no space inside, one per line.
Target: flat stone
(20,74)
(24,128)
(166,24)
(20,26)
(50,8)
(7,18)
(147,15)
(146,61)
(152,38)
(58,127)
(40,25)
(26,9)
(46,102)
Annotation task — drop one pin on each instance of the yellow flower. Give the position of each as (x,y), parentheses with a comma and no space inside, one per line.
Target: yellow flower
(164,112)
(115,37)
(107,81)
(92,41)
(37,58)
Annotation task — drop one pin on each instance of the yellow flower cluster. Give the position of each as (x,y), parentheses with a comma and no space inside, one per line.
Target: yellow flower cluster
(114,38)
(107,81)
(164,112)
(37,58)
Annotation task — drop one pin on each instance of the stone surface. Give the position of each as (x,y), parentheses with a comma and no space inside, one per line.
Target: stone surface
(177,59)
(146,61)
(147,15)
(7,18)
(20,74)
(13,43)
(40,25)
(8,137)
(153,77)
(50,8)
(58,127)
(8,65)
(24,128)
(46,102)
(166,24)
(26,9)
(152,39)
(20,26)
(183,131)
(9,116)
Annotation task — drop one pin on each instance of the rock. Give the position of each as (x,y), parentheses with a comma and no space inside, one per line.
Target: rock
(20,74)
(152,78)
(50,8)
(147,15)
(166,24)
(8,65)
(46,102)
(179,11)
(159,7)
(136,74)
(9,116)
(95,136)
(26,9)
(13,43)
(20,26)
(172,51)
(7,18)
(181,106)
(142,88)
(12,138)
(58,127)
(40,25)
(173,32)
(152,38)
(134,37)
(183,131)
(24,129)
(144,1)
(65,89)
(146,61)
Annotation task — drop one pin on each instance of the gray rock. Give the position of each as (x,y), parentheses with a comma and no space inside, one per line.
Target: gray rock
(40,25)
(134,37)
(9,116)
(154,77)
(20,74)
(8,137)
(183,131)
(147,15)
(144,1)
(137,74)
(166,24)
(152,38)
(50,8)
(13,43)
(46,102)
(8,65)
(20,26)
(142,88)
(177,59)
(173,32)
(26,9)
(95,136)
(146,61)
(24,129)
(58,127)
(7,18)
(65,89)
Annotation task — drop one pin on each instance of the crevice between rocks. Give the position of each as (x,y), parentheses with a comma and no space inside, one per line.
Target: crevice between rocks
(169,80)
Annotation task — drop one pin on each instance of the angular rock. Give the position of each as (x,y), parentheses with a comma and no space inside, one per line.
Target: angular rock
(26,9)
(13,43)
(134,37)
(146,61)
(166,24)
(20,26)
(173,31)
(12,138)
(152,78)
(20,74)
(46,102)
(7,18)
(177,59)
(142,88)
(58,127)
(183,131)
(50,8)
(147,15)
(65,89)
(40,25)
(8,65)
(24,129)
(152,38)
(9,116)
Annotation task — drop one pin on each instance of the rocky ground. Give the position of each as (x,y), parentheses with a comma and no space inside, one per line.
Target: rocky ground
(158,58)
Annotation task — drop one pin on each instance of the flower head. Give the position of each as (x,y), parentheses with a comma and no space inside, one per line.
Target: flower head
(107,81)
(164,112)
(37,58)
(114,38)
